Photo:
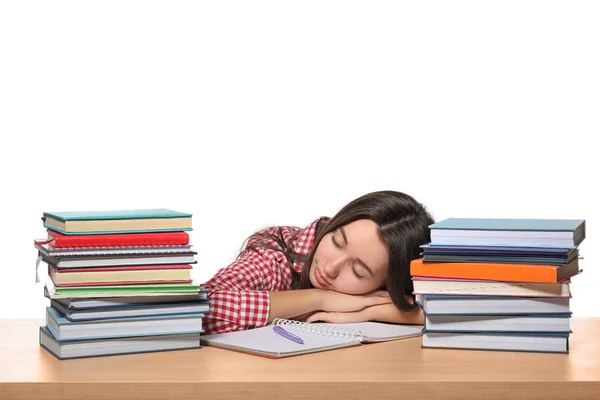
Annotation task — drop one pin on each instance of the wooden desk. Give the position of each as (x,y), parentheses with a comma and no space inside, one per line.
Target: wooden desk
(392,370)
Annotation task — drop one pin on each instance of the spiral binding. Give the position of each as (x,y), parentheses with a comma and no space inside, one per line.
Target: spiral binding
(137,247)
(116,250)
(323,330)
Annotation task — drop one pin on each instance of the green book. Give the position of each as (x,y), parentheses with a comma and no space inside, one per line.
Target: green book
(123,290)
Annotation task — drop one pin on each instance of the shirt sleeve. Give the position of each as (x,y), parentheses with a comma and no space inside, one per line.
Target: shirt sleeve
(239,294)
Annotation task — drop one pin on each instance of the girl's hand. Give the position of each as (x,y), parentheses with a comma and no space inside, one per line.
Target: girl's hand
(341,302)
(339,317)
(381,312)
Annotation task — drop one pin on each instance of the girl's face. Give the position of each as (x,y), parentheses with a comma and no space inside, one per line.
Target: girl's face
(351,259)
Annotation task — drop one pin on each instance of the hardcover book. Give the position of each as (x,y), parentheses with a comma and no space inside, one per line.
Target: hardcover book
(59,240)
(495,272)
(549,342)
(178,273)
(118,221)
(445,304)
(134,310)
(63,329)
(67,349)
(473,287)
(509,232)
(146,290)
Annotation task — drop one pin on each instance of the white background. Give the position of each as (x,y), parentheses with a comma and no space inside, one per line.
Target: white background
(257,113)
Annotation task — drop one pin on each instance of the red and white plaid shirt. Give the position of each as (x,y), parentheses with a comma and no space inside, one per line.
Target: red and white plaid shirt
(239,293)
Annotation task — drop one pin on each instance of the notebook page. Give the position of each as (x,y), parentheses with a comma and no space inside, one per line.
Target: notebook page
(264,341)
(378,331)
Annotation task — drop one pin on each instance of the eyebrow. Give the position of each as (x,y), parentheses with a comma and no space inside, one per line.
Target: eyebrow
(361,262)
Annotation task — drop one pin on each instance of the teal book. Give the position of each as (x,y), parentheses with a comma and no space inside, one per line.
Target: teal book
(117,221)
(559,233)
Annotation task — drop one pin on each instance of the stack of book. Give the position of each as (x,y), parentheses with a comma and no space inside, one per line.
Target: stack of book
(498,284)
(120,282)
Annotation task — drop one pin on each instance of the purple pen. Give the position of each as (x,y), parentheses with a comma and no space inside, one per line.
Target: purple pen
(280,331)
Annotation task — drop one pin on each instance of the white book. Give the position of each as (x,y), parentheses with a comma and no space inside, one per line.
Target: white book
(551,343)
(490,288)
(508,232)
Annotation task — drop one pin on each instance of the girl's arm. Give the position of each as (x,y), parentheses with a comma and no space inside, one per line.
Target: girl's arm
(381,312)
(298,302)
(239,294)
(251,292)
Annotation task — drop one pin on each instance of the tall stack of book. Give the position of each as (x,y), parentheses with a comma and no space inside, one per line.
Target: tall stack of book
(498,284)
(120,282)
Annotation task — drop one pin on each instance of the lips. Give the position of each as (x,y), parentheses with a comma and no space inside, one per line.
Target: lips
(322,281)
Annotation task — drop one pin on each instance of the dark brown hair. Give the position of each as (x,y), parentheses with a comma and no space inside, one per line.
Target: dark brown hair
(403,225)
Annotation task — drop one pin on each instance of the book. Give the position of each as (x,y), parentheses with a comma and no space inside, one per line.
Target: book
(565,233)
(58,240)
(430,248)
(435,304)
(550,343)
(179,273)
(435,254)
(558,323)
(496,271)
(52,251)
(143,299)
(117,221)
(134,310)
(63,329)
(473,287)
(170,289)
(64,349)
(317,337)
(116,260)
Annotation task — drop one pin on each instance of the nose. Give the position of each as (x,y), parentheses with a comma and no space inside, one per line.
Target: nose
(332,269)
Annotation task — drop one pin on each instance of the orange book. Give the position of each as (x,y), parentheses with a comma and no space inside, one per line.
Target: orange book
(496,272)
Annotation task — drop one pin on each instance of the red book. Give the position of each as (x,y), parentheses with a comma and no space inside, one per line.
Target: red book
(59,240)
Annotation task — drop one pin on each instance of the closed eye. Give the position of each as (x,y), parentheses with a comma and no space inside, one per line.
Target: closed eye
(336,244)
(359,276)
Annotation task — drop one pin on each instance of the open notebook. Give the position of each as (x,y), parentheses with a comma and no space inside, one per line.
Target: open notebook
(316,336)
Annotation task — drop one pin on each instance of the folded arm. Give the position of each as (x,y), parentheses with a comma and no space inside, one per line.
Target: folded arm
(380,312)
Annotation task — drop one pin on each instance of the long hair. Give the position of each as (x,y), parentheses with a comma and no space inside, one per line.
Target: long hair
(402,225)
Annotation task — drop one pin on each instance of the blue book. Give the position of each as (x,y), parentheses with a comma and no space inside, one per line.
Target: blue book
(63,329)
(448,304)
(531,323)
(137,310)
(67,349)
(117,221)
(562,233)
(497,250)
